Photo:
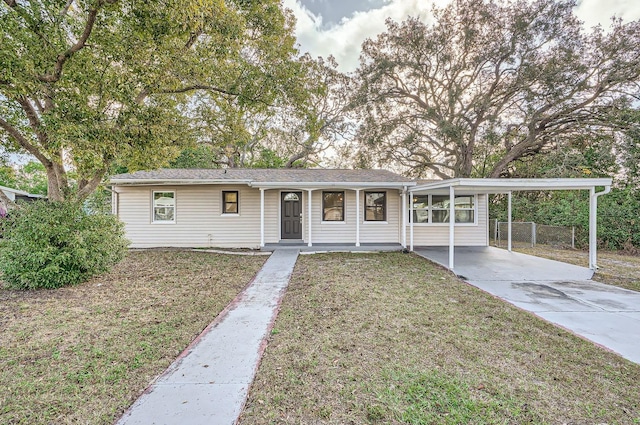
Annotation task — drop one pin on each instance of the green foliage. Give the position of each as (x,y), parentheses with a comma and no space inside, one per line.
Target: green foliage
(90,84)
(53,244)
(269,159)
(199,156)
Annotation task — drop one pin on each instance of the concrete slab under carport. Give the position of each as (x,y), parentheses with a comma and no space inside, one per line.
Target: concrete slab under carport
(560,293)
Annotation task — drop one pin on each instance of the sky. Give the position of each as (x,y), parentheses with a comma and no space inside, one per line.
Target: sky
(338,27)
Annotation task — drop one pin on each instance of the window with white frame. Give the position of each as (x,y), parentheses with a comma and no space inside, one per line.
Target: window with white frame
(420,208)
(375,206)
(164,207)
(435,209)
(332,206)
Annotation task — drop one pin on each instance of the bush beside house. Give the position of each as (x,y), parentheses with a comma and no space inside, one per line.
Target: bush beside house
(52,244)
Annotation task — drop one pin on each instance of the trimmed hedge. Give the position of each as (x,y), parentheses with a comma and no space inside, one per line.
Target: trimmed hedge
(53,244)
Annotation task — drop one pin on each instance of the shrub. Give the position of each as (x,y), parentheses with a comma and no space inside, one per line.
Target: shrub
(52,244)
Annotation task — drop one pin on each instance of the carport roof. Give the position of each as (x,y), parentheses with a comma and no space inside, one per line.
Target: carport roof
(507,185)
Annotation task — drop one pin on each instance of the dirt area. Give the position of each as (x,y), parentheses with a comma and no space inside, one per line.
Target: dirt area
(391,338)
(83,354)
(614,268)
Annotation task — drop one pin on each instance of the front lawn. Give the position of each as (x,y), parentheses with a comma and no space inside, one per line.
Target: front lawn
(83,354)
(392,338)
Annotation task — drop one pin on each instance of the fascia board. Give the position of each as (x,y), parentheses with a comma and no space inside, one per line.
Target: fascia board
(501,185)
(148,182)
(322,185)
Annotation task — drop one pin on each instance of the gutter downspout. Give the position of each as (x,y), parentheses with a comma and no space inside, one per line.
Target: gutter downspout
(593,225)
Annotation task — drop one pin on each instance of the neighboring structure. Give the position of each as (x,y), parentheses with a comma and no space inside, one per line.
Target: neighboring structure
(249,208)
(19,195)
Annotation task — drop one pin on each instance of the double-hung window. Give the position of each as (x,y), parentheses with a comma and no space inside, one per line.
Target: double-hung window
(164,207)
(332,206)
(230,203)
(375,206)
(420,208)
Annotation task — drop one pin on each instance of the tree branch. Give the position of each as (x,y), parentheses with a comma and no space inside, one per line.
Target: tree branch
(62,59)
(23,142)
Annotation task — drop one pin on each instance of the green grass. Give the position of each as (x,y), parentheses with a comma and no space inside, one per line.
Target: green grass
(391,338)
(83,354)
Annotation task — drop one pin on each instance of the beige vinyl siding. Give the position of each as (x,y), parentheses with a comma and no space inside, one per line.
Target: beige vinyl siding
(345,232)
(199,219)
(382,231)
(465,234)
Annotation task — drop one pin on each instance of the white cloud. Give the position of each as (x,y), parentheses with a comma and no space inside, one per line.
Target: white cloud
(594,12)
(344,40)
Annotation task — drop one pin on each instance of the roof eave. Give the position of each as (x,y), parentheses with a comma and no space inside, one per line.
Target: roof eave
(320,185)
(504,185)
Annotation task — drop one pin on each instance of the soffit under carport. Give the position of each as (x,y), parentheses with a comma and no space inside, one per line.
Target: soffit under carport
(464,186)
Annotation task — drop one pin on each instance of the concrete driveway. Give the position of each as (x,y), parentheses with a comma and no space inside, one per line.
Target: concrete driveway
(560,293)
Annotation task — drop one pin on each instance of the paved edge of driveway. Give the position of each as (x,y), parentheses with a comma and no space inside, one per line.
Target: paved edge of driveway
(209,381)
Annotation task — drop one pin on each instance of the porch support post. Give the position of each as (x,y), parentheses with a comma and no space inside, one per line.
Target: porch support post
(593,223)
(261,218)
(410,221)
(357,217)
(509,221)
(404,218)
(309,243)
(452,222)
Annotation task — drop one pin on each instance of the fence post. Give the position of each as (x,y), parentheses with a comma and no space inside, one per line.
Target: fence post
(573,237)
(534,230)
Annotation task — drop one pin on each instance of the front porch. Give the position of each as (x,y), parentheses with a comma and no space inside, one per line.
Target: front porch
(334,247)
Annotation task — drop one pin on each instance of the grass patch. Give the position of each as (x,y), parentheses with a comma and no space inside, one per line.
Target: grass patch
(615,268)
(83,354)
(392,338)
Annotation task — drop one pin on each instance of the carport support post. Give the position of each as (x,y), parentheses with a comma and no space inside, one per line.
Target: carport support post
(452,222)
(309,216)
(509,221)
(593,223)
(404,218)
(410,221)
(261,218)
(357,217)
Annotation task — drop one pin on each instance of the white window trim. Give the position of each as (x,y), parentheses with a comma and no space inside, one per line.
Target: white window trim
(153,207)
(386,207)
(224,214)
(344,207)
(430,209)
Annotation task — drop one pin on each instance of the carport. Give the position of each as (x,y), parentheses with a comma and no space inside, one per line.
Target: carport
(464,186)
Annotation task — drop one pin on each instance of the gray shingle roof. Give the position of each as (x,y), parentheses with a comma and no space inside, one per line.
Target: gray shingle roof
(263,175)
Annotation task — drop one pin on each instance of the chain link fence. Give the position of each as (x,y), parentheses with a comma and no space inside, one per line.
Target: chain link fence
(529,234)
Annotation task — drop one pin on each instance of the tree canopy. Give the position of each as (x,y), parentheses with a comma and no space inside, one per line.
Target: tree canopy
(90,83)
(490,83)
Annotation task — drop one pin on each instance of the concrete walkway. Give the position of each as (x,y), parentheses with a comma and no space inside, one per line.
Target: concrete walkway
(209,382)
(560,293)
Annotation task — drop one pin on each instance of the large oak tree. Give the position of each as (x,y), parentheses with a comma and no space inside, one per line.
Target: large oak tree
(488,83)
(86,84)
